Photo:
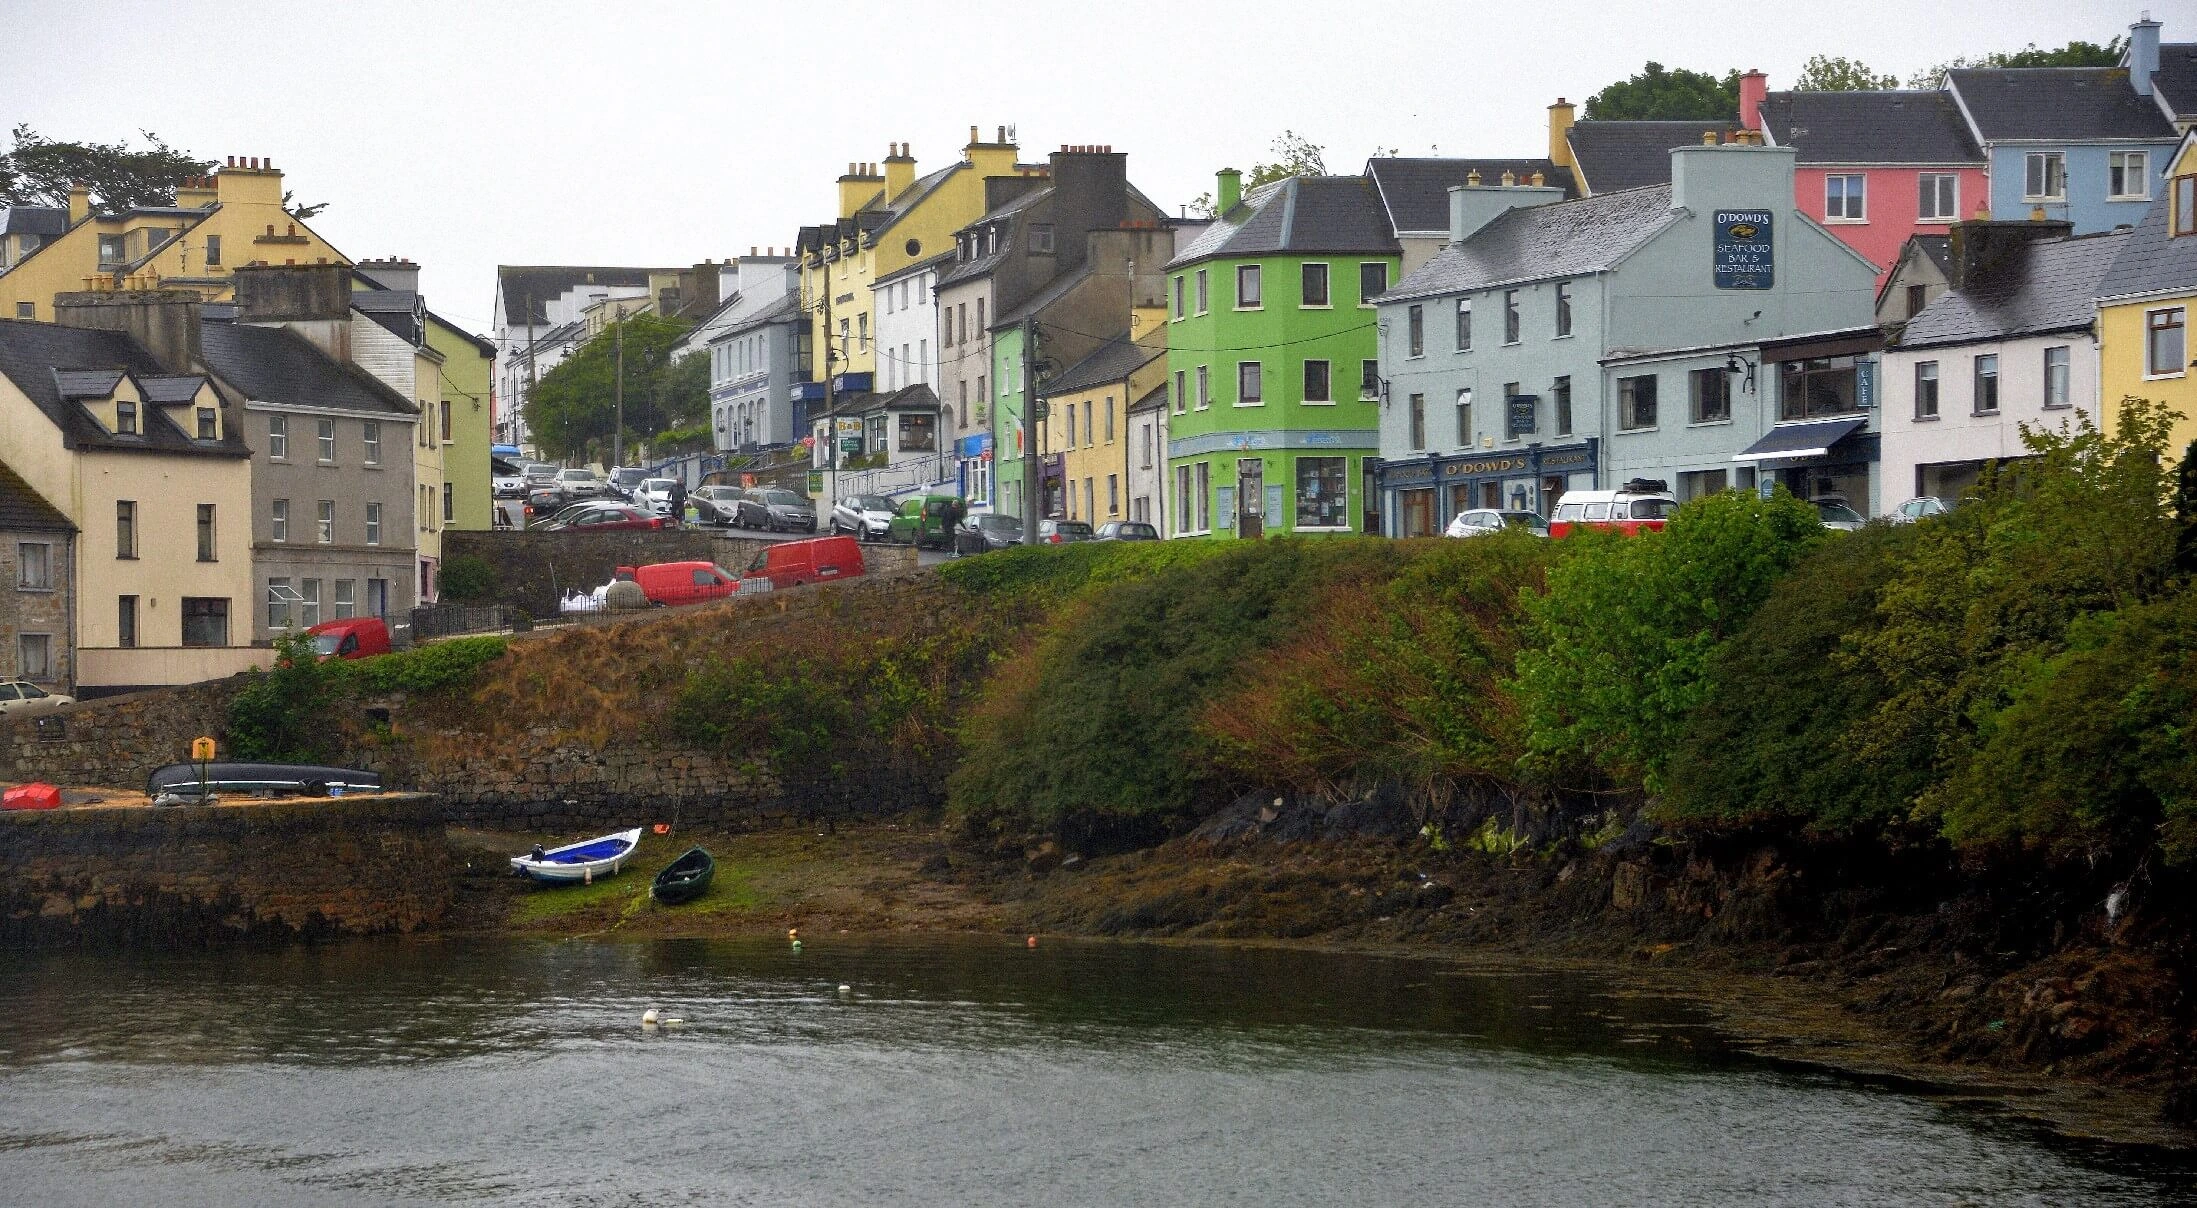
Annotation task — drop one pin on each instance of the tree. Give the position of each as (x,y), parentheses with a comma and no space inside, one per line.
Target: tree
(574,405)
(1661,94)
(1295,154)
(38,171)
(2074,54)
(1825,73)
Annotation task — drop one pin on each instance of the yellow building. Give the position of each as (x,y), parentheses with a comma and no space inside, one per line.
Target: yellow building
(455,386)
(151,468)
(1085,435)
(218,222)
(889,218)
(2147,300)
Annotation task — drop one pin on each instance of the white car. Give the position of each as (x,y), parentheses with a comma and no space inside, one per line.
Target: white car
(866,517)
(1832,510)
(507,484)
(23,696)
(1920,508)
(653,495)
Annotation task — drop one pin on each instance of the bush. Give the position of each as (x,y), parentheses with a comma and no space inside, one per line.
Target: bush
(435,667)
(284,713)
(469,577)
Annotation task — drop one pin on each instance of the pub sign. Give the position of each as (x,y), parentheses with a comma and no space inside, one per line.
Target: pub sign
(1744,256)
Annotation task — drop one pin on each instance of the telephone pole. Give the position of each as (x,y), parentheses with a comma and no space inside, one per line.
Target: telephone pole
(618,433)
(1033,489)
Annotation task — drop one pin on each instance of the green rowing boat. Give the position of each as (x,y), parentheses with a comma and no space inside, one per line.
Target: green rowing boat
(686,878)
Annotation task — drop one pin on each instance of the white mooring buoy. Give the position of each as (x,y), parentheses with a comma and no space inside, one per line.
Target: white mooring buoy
(648,1018)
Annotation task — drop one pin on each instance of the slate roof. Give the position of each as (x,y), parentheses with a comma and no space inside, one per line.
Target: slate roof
(23,510)
(1416,191)
(275,365)
(2045,286)
(1538,243)
(1882,127)
(170,388)
(938,261)
(34,356)
(1153,400)
(2053,104)
(1300,215)
(2150,262)
(1054,290)
(33,220)
(486,345)
(1113,361)
(1627,155)
(546,281)
(1939,248)
(2176,79)
(86,383)
(786,309)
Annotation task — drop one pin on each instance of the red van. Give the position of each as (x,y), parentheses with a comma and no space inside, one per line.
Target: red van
(816,560)
(673,583)
(1628,510)
(353,638)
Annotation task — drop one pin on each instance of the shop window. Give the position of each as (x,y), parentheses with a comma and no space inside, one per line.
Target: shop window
(1693,484)
(1322,494)
(1636,402)
(205,621)
(1817,387)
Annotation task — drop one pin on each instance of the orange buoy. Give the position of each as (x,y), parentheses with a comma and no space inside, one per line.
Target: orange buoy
(1031,942)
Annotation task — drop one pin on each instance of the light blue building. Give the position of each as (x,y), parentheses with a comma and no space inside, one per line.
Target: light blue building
(758,368)
(1701,333)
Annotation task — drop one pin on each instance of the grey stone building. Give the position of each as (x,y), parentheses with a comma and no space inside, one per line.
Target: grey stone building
(37,618)
(756,367)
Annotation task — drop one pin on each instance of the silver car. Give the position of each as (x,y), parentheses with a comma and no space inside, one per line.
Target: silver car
(1834,513)
(23,696)
(866,517)
(654,495)
(789,511)
(1919,508)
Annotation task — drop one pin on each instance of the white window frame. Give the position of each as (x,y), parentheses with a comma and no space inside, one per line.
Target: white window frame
(278,438)
(324,441)
(324,523)
(2064,372)
(1847,197)
(2044,164)
(1927,371)
(1933,185)
(373,524)
(2114,159)
(1327,285)
(278,522)
(1205,387)
(1305,376)
(2181,323)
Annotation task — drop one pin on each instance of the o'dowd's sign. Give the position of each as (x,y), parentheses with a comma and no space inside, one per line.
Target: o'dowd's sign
(1743,258)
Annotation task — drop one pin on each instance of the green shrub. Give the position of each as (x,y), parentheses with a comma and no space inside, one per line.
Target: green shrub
(468,577)
(1055,572)
(435,667)
(784,718)
(284,713)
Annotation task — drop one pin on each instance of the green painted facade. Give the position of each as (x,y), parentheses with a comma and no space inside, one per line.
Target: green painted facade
(1007,408)
(1307,449)
(466,370)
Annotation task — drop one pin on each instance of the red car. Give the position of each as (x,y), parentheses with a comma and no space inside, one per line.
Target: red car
(1629,510)
(601,515)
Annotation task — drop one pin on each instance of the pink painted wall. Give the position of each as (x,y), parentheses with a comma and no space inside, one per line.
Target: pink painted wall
(1892,199)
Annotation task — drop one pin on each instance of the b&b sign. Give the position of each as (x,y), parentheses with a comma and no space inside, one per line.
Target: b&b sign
(1743,258)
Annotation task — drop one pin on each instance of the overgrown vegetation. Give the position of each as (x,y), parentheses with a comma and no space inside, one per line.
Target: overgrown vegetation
(468,577)
(292,712)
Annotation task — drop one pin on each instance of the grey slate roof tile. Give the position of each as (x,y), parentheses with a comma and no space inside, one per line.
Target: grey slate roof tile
(34,356)
(1626,155)
(1416,191)
(274,365)
(2176,79)
(1881,127)
(1299,215)
(86,383)
(1534,243)
(547,281)
(33,220)
(2046,286)
(2056,103)
(2150,261)
(24,510)
(1112,361)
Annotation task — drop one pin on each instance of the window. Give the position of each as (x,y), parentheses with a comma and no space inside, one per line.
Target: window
(1205,496)
(1918,297)
(278,526)
(346,601)
(1181,399)
(1510,316)
(862,331)
(213,250)
(26,310)
(370,433)
(1464,419)
(1113,495)
(1818,386)
(2046,177)
(208,425)
(1636,402)
(1178,295)
(125,621)
(373,524)
(1711,395)
(1416,328)
(1987,385)
(278,436)
(34,566)
(205,621)
(206,552)
(1247,287)
(125,417)
(1511,399)
(377,597)
(325,527)
(1560,393)
(1939,197)
(1248,388)
(1464,325)
(1418,422)
(279,594)
(36,651)
(110,250)
(1369,380)
(1068,441)
(1693,484)
(450,498)
(1563,309)
(1205,388)
(125,528)
(1317,388)
(1204,291)
(2127,175)
(1182,499)
(327,433)
(1109,419)
(1314,284)
(308,602)
(1842,198)
(2185,205)
(1372,282)
(2055,376)
(2163,343)
(1323,493)
(1041,236)
(446,421)
(1926,390)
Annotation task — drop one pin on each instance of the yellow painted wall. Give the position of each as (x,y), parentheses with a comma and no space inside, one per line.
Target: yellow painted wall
(1101,455)
(2121,364)
(465,374)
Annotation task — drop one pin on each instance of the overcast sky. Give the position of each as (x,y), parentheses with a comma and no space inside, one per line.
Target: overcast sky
(466,135)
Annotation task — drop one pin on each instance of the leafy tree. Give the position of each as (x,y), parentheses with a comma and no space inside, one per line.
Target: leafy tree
(2185,513)
(1658,93)
(1295,155)
(2074,54)
(467,577)
(1824,73)
(38,171)
(574,406)
(283,713)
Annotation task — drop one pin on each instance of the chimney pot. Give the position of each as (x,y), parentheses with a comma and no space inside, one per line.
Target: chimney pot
(1509,178)
(1003,134)
(972,134)
(1472,178)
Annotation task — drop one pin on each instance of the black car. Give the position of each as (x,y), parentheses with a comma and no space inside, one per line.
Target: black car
(1126,530)
(987,531)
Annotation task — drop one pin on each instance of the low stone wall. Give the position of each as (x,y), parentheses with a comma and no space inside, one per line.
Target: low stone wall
(136,875)
(534,568)
(115,741)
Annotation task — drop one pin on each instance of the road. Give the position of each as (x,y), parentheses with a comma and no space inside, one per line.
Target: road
(929,557)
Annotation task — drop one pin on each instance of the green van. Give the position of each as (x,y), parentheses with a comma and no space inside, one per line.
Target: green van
(926,520)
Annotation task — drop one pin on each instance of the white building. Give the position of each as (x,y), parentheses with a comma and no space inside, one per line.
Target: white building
(906,306)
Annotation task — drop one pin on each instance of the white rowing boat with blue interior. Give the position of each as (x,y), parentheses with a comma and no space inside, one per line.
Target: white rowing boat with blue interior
(580,862)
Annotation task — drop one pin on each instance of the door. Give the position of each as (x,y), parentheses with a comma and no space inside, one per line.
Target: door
(1552,490)
(1250,497)
(1491,494)
(1416,513)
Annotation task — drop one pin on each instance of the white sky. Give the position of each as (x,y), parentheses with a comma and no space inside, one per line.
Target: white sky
(465,135)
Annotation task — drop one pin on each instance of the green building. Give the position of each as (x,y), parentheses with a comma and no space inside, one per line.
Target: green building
(1271,350)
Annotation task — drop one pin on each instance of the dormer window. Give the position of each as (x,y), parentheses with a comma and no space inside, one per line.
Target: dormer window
(991,240)
(208,425)
(111,250)
(125,419)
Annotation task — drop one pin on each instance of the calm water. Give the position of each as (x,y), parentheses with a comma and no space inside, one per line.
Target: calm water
(962,1072)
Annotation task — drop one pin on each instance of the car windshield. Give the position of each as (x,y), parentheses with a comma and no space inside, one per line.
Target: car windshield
(1838,511)
(1072,526)
(783,499)
(628,477)
(326,643)
(1650,509)
(576,476)
(656,484)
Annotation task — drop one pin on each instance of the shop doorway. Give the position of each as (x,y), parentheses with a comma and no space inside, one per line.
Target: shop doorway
(1250,498)
(1491,494)
(1552,489)
(1415,513)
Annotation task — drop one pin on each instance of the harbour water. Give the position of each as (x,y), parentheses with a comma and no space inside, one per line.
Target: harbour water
(950,1072)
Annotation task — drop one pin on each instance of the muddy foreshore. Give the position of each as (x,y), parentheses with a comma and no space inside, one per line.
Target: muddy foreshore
(2084,1035)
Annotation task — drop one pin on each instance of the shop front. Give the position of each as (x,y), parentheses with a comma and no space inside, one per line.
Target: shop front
(974,456)
(1420,495)
(1833,459)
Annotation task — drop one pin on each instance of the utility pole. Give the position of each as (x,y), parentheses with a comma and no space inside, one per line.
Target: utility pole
(1033,490)
(831,421)
(618,433)
(533,379)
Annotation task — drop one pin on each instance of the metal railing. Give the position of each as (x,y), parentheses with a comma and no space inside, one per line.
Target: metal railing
(443,620)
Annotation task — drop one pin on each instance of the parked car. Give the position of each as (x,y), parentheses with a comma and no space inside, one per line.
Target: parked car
(505,480)
(926,520)
(1479,522)
(1126,530)
(23,696)
(987,531)
(653,495)
(728,507)
(353,638)
(1834,513)
(788,511)
(1919,507)
(1629,510)
(626,479)
(601,515)
(675,583)
(869,517)
(581,483)
(1060,532)
(817,560)
(539,473)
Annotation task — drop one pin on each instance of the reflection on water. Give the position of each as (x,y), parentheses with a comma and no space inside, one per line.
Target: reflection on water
(953,1072)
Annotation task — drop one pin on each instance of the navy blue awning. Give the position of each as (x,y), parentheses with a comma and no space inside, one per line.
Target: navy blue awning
(1792,442)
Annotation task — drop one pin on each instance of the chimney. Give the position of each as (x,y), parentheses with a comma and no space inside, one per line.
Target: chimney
(856,188)
(1472,206)
(1753,88)
(1560,120)
(1981,247)
(2143,54)
(281,293)
(899,171)
(1733,176)
(165,321)
(1227,191)
(80,203)
(394,273)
